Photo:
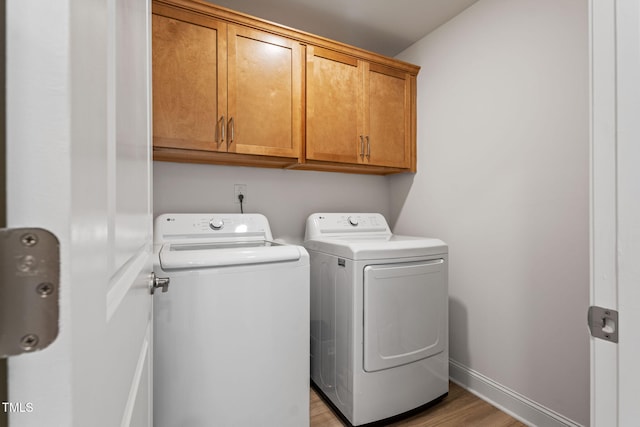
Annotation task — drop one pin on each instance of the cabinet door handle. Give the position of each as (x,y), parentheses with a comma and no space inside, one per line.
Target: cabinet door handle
(362,147)
(220,128)
(368,148)
(232,130)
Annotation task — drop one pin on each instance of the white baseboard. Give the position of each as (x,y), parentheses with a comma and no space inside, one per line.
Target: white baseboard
(518,406)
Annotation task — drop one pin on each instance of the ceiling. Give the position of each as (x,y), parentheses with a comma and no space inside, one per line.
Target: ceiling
(383,26)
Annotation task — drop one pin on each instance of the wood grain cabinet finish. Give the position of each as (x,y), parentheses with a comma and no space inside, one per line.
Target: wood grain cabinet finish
(232,89)
(189,80)
(357,112)
(221,87)
(335,119)
(264,93)
(388,130)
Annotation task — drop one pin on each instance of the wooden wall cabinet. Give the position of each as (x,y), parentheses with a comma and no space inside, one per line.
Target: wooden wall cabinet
(232,89)
(220,87)
(264,93)
(358,112)
(388,117)
(335,119)
(189,80)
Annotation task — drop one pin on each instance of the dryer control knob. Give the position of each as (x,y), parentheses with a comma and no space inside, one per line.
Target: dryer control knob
(353,221)
(216,223)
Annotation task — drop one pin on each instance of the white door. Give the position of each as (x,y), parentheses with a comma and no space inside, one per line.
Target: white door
(615,207)
(78,164)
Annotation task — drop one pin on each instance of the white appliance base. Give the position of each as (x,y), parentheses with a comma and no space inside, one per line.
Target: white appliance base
(383,422)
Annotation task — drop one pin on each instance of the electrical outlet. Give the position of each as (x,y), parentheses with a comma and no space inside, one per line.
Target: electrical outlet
(237,190)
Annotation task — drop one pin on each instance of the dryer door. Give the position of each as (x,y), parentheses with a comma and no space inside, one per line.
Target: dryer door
(405,308)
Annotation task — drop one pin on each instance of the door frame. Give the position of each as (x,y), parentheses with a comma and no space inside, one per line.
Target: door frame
(4,395)
(614,208)
(602,204)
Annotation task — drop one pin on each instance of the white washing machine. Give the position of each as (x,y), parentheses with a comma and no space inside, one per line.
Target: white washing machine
(379,316)
(231,336)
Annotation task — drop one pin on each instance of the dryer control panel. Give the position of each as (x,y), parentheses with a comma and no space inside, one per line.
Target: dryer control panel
(336,224)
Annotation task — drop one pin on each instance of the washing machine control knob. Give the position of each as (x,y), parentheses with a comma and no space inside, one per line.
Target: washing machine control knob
(353,221)
(216,223)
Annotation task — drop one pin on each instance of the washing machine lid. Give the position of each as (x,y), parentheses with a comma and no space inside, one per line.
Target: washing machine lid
(187,241)
(224,254)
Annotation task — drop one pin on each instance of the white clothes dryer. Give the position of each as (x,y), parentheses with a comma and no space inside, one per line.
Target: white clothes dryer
(379,316)
(231,337)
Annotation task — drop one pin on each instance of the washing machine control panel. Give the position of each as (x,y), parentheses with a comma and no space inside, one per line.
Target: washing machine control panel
(177,227)
(216,223)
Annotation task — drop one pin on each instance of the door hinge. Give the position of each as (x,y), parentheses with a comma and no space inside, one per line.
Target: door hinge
(29,289)
(603,323)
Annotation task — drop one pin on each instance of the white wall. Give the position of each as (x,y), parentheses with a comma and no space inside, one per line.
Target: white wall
(285,197)
(503,179)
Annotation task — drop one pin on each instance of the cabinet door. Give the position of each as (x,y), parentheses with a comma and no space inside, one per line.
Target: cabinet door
(388,117)
(265,93)
(334,106)
(189,79)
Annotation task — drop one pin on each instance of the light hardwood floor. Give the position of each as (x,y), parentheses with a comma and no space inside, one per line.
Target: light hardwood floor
(459,409)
